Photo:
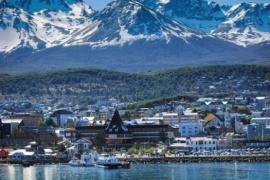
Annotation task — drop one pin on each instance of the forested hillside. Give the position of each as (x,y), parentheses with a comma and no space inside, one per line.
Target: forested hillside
(89,85)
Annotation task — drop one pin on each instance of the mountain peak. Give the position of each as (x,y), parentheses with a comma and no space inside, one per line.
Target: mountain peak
(35,6)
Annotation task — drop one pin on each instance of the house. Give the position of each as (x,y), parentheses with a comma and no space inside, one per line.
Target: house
(99,114)
(60,116)
(4,152)
(208,106)
(82,145)
(212,121)
(22,154)
(213,125)
(223,105)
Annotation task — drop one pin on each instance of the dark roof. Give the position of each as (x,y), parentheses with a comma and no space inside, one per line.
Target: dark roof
(116,125)
(60,111)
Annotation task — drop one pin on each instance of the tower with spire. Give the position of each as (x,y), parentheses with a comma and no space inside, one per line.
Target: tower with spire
(117,132)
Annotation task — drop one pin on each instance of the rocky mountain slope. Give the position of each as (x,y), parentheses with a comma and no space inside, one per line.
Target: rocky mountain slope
(130,35)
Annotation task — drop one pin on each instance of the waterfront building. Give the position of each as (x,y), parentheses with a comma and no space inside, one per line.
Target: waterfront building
(82,145)
(258,135)
(225,141)
(201,143)
(118,134)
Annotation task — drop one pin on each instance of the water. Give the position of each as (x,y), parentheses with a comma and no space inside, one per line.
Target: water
(186,171)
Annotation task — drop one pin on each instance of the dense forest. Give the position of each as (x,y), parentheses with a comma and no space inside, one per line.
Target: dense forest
(88,85)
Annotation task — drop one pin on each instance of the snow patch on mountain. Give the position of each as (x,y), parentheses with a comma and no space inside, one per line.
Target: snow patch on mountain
(40,28)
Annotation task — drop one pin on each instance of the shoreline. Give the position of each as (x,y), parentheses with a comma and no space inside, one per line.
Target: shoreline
(166,159)
(198,159)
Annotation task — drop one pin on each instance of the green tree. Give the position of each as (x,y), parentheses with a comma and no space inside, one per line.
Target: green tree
(100,140)
(50,122)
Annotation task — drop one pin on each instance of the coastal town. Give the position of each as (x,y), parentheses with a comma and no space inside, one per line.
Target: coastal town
(238,126)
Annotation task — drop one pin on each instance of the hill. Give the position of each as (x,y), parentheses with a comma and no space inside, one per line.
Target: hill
(90,84)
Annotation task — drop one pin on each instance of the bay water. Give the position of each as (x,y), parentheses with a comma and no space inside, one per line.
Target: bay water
(180,171)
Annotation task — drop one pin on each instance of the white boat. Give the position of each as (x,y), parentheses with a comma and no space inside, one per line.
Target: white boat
(87,159)
(108,161)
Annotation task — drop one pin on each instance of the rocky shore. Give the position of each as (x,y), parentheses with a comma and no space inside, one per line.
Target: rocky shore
(198,159)
(166,159)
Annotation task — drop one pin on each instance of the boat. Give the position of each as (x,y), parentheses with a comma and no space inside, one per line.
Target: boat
(108,161)
(86,160)
(125,164)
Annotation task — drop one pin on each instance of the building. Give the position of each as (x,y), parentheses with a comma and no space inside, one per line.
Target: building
(258,135)
(99,114)
(212,121)
(189,124)
(170,118)
(189,129)
(225,141)
(261,120)
(60,116)
(261,103)
(201,143)
(8,127)
(82,145)
(118,134)
(29,119)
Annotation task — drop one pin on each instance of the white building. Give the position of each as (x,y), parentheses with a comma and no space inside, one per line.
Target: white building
(201,143)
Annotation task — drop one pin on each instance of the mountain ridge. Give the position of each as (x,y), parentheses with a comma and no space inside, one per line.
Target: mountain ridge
(130,36)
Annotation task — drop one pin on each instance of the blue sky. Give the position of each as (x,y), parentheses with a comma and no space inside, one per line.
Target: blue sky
(100,4)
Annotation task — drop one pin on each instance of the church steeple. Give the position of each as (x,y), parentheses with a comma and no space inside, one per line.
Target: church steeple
(116,125)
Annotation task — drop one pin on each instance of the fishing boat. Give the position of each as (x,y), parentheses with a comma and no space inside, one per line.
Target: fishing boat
(108,161)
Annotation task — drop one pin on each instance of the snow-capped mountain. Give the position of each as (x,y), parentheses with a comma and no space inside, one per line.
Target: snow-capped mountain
(26,25)
(244,24)
(126,22)
(130,35)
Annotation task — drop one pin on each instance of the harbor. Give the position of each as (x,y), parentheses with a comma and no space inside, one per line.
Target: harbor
(165,159)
